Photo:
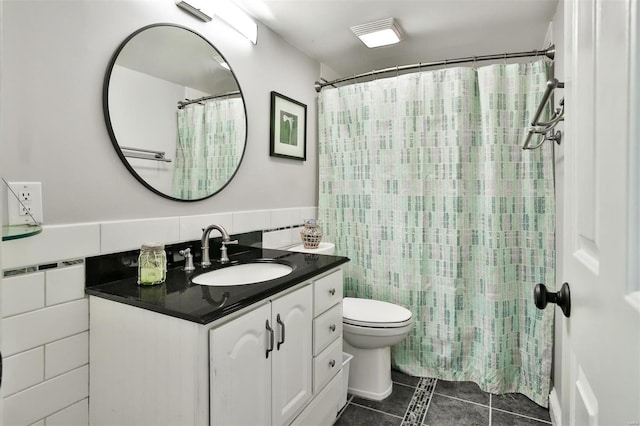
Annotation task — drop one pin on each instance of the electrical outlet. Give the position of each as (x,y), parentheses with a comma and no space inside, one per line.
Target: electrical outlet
(24,202)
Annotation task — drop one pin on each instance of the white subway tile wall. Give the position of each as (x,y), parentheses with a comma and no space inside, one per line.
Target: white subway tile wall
(22,370)
(191,226)
(47,398)
(74,415)
(45,323)
(64,284)
(295,235)
(277,239)
(58,242)
(130,234)
(285,217)
(251,221)
(309,213)
(29,330)
(22,293)
(66,354)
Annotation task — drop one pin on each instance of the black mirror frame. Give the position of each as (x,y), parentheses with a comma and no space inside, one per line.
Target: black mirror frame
(107,117)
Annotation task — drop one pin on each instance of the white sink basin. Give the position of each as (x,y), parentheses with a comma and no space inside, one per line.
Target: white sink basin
(246,273)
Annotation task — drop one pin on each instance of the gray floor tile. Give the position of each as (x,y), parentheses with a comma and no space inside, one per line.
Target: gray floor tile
(405,379)
(445,411)
(520,404)
(395,404)
(360,416)
(468,391)
(502,418)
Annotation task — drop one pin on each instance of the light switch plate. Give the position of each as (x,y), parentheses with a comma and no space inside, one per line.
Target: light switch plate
(24,202)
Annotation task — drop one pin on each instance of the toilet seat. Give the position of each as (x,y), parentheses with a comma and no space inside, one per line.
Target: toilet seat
(374,313)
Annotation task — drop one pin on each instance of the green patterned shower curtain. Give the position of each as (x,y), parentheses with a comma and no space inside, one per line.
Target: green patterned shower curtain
(210,143)
(425,187)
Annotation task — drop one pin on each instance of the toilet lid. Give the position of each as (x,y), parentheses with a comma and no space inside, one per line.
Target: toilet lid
(374,313)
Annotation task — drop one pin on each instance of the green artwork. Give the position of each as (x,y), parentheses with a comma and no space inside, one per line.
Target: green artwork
(288,128)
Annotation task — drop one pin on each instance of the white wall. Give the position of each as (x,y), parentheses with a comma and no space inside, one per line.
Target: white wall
(55,55)
(54,58)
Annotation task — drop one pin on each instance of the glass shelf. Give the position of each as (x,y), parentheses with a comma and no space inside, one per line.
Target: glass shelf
(14,232)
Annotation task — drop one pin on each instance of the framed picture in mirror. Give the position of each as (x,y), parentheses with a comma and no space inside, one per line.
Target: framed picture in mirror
(288,128)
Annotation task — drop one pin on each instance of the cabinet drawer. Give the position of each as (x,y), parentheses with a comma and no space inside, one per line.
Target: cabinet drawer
(326,328)
(327,291)
(322,410)
(327,364)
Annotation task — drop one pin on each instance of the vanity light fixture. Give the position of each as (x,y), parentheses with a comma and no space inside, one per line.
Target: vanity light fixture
(196,8)
(379,33)
(225,9)
(237,18)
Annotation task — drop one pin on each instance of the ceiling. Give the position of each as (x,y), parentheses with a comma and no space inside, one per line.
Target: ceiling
(435,29)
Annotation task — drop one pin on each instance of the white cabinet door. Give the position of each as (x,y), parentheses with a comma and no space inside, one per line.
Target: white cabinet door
(240,385)
(601,338)
(292,357)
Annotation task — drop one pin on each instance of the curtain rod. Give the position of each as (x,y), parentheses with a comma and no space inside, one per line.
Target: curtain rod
(182,104)
(549,52)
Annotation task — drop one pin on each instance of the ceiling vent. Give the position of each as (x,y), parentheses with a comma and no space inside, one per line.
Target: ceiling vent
(379,33)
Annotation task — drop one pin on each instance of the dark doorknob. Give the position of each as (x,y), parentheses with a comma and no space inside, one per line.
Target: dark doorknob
(561,298)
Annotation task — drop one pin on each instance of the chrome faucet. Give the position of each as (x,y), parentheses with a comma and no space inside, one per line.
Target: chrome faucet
(223,250)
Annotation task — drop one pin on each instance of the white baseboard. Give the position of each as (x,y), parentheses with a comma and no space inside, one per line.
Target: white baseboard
(554,408)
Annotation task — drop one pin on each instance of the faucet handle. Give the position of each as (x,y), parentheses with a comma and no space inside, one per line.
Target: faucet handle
(188,259)
(230,242)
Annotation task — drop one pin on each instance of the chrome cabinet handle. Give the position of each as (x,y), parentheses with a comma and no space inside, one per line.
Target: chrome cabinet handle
(332,363)
(280,342)
(270,347)
(332,327)
(332,291)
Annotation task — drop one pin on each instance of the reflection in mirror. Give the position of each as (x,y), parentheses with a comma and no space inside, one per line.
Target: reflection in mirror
(175,112)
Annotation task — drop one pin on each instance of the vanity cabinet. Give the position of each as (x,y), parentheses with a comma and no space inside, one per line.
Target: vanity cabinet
(275,362)
(261,363)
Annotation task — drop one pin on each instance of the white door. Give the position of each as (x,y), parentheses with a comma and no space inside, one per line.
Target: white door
(240,370)
(291,364)
(601,339)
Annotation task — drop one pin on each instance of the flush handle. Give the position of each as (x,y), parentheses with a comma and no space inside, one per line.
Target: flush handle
(270,331)
(562,298)
(281,341)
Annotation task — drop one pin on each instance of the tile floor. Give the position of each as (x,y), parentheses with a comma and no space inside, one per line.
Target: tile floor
(422,401)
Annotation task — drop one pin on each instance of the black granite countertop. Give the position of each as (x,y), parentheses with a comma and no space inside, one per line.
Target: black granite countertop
(179,297)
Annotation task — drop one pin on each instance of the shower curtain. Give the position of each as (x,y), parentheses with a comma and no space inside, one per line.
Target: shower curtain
(209,147)
(425,187)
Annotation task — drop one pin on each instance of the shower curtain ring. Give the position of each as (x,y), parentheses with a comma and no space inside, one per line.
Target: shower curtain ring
(397,71)
(505,58)
(475,64)
(446,65)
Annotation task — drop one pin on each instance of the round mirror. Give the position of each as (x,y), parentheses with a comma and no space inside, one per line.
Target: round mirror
(175,112)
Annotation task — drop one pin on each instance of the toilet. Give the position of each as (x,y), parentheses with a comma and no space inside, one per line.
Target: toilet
(370,328)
